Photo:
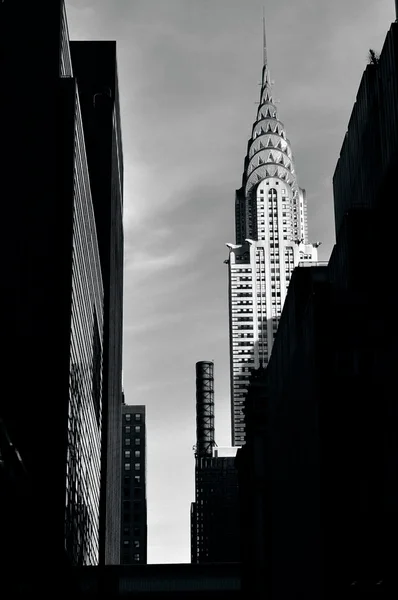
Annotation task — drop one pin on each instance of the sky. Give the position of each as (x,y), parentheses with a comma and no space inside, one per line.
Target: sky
(189,73)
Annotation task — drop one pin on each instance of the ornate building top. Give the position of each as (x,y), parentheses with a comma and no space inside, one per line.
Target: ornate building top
(269,153)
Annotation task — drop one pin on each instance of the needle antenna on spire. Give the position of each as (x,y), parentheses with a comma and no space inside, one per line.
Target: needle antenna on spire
(264,40)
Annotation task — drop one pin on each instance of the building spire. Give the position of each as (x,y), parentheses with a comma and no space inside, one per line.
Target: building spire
(266,79)
(264,41)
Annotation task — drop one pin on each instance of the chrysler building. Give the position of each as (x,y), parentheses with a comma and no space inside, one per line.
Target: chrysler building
(271,240)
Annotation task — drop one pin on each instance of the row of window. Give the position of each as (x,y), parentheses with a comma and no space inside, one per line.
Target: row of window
(137,429)
(137,441)
(127,466)
(137,453)
(136,543)
(137,417)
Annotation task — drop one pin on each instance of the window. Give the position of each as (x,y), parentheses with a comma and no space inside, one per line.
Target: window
(126,543)
(136,543)
(126,530)
(127,441)
(127,466)
(137,466)
(127,429)
(128,417)
(137,441)
(137,428)
(136,531)
(127,480)
(137,417)
(127,454)
(137,454)
(137,478)
(136,557)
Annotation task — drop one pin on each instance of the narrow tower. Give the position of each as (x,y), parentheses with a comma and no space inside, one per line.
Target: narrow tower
(204,408)
(271,240)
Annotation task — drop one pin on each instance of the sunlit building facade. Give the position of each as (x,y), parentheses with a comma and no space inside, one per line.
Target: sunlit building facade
(271,240)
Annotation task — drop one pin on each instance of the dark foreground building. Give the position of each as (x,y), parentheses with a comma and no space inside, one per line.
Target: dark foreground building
(52,299)
(319,469)
(215,512)
(145,582)
(133,486)
(95,69)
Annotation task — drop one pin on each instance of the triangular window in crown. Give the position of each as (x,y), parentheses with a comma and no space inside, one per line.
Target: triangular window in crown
(269,127)
(270,144)
(260,161)
(270,157)
(279,145)
(261,146)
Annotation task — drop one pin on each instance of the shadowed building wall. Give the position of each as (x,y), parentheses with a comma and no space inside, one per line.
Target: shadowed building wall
(95,68)
(52,297)
(134,528)
(320,462)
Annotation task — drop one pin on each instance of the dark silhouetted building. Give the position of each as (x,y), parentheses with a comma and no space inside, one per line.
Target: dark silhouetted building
(318,474)
(215,512)
(95,68)
(134,507)
(159,582)
(52,298)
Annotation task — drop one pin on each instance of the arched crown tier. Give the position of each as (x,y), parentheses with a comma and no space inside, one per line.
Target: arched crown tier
(269,140)
(270,170)
(269,156)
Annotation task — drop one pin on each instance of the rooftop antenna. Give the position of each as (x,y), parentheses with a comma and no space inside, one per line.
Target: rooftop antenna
(266,77)
(265,39)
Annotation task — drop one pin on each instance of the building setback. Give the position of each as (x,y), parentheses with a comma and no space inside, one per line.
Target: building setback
(320,461)
(95,68)
(134,506)
(271,240)
(52,297)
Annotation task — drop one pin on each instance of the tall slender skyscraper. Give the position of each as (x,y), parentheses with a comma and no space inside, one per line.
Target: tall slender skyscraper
(271,240)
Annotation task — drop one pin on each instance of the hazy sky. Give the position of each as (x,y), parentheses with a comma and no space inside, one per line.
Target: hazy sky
(188,77)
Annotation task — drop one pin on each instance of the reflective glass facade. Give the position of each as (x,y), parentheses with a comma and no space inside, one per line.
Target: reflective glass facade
(65,63)
(85,383)
(95,68)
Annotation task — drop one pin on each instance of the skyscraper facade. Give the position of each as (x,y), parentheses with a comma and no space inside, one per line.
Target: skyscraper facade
(134,507)
(52,297)
(271,240)
(95,68)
